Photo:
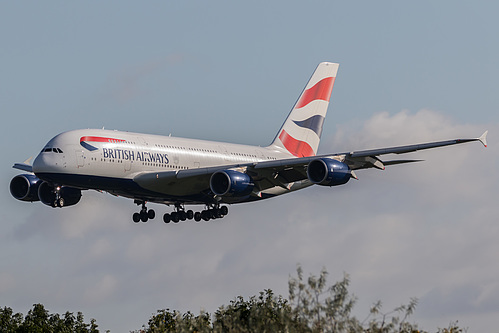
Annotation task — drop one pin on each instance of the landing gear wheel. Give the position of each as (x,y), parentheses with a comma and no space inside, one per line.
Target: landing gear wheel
(190,214)
(224,210)
(166,218)
(197,216)
(144,216)
(205,215)
(182,216)
(60,202)
(175,217)
(136,217)
(151,214)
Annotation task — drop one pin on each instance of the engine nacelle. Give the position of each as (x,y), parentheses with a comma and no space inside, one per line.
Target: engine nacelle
(25,187)
(69,195)
(328,172)
(231,183)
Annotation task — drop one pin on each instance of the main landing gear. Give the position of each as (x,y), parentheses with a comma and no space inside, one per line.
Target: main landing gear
(145,214)
(211,212)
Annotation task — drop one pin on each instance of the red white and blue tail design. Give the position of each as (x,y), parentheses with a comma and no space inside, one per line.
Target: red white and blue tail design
(301,132)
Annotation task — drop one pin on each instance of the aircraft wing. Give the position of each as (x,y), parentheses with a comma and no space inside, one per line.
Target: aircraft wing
(363,159)
(282,173)
(368,158)
(25,166)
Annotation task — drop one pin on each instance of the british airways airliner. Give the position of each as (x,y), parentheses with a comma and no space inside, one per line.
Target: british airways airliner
(181,172)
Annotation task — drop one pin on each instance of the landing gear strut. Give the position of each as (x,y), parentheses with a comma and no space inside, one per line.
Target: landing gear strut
(144,215)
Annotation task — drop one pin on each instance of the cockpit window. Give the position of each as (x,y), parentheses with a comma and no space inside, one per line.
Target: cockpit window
(50,150)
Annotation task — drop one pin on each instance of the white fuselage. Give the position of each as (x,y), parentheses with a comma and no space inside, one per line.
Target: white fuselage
(91,158)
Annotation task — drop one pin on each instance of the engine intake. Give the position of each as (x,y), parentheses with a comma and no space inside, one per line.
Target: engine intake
(68,196)
(231,183)
(25,187)
(328,172)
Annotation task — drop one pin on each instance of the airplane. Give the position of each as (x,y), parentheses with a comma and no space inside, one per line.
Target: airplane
(180,172)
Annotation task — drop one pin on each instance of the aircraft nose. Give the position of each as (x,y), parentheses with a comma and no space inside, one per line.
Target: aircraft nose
(41,163)
(38,164)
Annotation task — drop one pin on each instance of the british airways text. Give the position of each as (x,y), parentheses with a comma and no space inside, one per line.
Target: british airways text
(142,156)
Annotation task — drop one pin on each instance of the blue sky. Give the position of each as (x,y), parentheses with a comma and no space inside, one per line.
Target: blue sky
(228,71)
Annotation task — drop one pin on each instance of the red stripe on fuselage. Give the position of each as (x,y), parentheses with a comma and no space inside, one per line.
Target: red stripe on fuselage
(100,139)
(321,90)
(296,147)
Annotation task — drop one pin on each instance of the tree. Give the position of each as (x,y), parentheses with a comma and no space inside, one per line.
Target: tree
(9,322)
(39,319)
(312,307)
(265,313)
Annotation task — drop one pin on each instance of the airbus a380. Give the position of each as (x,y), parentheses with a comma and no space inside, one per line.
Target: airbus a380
(180,172)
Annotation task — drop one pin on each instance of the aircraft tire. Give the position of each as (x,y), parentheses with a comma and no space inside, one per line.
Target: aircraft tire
(182,216)
(197,216)
(175,217)
(190,214)
(166,218)
(136,217)
(143,216)
(151,214)
(224,210)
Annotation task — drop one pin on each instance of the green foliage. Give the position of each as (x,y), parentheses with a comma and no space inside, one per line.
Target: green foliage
(265,313)
(174,321)
(312,307)
(322,308)
(40,320)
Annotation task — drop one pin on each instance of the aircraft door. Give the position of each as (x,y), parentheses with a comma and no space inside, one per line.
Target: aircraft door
(127,165)
(260,155)
(224,152)
(80,158)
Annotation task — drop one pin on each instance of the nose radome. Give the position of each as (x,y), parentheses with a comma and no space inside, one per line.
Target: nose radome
(40,163)
(37,163)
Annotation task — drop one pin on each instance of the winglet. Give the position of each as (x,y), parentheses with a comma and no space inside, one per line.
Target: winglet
(483,139)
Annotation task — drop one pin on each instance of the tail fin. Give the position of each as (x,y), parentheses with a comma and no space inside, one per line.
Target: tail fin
(301,132)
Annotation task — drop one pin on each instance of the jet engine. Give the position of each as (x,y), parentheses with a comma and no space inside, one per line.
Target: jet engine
(231,183)
(25,187)
(68,196)
(328,172)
